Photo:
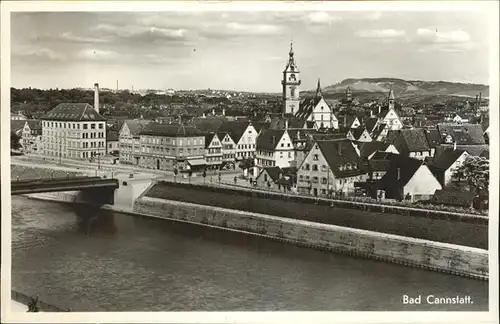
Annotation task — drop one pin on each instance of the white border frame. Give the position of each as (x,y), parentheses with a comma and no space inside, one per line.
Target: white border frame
(491,9)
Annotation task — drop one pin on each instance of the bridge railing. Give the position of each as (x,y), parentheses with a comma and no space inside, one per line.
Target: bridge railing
(45,307)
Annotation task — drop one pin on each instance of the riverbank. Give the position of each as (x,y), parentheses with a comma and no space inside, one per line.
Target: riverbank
(413,252)
(436,256)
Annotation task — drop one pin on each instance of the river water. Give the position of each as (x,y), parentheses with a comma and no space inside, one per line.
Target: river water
(126,263)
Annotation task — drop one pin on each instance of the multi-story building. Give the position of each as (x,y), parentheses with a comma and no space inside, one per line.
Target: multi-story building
(171,146)
(274,148)
(213,151)
(331,166)
(74,131)
(31,138)
(129,144)
(228,150)
(317,111)
(244,135)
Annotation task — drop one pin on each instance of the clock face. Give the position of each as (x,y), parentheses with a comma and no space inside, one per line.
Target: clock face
(292,77)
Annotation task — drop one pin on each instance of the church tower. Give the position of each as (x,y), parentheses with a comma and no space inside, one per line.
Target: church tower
(392,100)
(291,82)
(348,94)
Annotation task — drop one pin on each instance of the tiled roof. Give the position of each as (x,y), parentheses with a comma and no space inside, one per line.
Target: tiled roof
(35,124)
(338,154)
(170,130)
(447,158)
(370,124)
(406,167)
(306,107)
(368,148)
(208,124)
(433,138)
(16,125)
(209,138)
(269,138)
(328,136)
(357,132)
(73,112)
(235,129)
(136,126)
(273,173)
(465,134)
(413,140)
(375,165)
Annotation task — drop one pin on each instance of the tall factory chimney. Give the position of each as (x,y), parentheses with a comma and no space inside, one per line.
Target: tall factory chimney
(96,97)
(116,86)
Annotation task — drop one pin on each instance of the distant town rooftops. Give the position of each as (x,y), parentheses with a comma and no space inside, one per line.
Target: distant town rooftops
(465,134)
(73,112)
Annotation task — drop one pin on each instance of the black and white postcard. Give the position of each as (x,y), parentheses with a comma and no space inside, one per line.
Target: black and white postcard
(210,162)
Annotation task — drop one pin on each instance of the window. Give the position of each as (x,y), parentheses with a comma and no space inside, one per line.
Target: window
(85,126)
(315,157)
(307,166)
(101,126)
(265,177)
(323,180)
(289,154)
(315,167)
(92,126)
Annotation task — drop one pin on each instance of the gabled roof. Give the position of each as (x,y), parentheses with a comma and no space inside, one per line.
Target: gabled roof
(221,135)
(209,138)
(136,125)
(235,129)
(170,130)
(73,112)
(465,134)
(433,138)
(306,107)
(328,137)
(269,138)
(447,158)
(16,125)
(370,124)
(338,154)
(400,165)
(413,140)
(357,132)
(368,148)
(272,172)
(34,124)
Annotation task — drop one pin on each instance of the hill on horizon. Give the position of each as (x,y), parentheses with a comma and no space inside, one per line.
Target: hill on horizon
(407,88)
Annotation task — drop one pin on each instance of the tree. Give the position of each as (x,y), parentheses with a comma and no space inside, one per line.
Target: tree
(247,163)
(15,143)
(475,172)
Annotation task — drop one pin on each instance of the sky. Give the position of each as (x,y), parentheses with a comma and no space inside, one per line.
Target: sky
(244,51)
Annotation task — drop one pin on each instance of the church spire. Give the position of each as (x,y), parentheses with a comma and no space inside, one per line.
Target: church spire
(318,90)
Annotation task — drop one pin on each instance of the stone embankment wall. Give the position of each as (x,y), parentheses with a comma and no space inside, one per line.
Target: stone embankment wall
(459,260)
(429,225)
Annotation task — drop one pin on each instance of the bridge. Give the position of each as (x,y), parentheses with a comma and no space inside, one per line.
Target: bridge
(93,189)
